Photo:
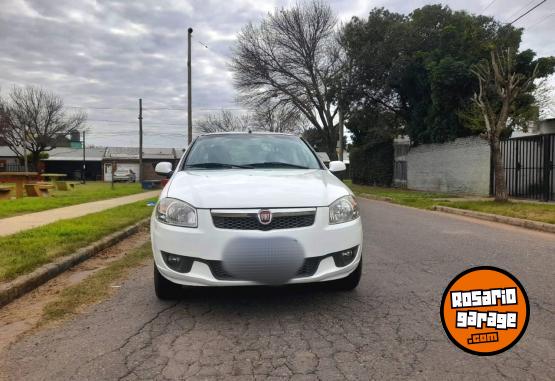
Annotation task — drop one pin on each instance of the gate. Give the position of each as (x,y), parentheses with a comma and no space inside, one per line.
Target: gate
(400,151)
(529,167)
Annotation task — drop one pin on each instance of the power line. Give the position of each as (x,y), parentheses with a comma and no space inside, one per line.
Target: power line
(513,14)
(157,108)
(133,123)
(103,108)
(487,6)
(530,10)
(540,21)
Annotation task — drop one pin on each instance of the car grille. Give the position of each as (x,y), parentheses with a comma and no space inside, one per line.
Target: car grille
(249,221)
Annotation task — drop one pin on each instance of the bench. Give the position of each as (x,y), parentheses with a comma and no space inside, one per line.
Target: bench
(6,192)
(66,185)
(150,184)
(38,189)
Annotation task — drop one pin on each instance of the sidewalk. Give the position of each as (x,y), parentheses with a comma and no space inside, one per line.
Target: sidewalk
(16,224)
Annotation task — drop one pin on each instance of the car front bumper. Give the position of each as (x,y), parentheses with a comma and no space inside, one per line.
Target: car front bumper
(207,245)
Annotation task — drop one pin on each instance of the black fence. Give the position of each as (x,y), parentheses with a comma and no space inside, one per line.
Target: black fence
(400,152)
(529,166)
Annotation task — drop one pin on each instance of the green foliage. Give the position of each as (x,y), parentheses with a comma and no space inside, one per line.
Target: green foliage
(417,69)
(372,163)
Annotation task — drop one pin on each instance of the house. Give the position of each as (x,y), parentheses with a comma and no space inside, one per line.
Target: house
(8,160)
(120,158)
(128,158)
(323,156)
(152,156)
(69,161)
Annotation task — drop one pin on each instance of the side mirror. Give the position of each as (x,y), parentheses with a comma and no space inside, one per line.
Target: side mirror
(164,168)
(337,166)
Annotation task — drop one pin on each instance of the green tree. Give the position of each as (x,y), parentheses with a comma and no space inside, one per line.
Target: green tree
(417,67)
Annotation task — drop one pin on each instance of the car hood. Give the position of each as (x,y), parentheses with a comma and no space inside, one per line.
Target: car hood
(255,188)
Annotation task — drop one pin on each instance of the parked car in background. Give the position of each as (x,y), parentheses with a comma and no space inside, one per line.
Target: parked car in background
(125,175)
(254,208)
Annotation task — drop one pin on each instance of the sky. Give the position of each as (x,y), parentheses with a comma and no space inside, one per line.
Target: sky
(102,56)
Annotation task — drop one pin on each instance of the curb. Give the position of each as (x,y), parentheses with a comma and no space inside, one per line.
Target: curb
(534,225)
(25,283)
(377,198)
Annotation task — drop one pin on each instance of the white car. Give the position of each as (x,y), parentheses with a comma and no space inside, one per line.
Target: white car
(254,208)
(124,175)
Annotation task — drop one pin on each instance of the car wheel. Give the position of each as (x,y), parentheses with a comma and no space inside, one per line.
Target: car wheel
(350,282)
(163,288)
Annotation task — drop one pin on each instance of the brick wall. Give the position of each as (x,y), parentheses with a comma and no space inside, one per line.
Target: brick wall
(461,166)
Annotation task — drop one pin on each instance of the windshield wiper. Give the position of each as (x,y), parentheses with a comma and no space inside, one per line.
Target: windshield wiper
(216,166)
(274,164)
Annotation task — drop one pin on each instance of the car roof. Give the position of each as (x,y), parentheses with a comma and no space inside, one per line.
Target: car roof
(247,133)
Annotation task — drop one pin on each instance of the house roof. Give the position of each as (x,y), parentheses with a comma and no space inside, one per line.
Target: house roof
(122,153)
(100,153)
(132,153)
(5,151)
(76,154)
(323,156)
(159,153)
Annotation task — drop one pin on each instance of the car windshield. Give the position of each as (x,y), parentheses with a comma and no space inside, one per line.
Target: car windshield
(249,151)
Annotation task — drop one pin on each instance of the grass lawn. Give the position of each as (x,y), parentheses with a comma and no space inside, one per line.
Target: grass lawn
(541,212)
(423,200)
(91,191)
(23,252)
(96,287)
(526,210)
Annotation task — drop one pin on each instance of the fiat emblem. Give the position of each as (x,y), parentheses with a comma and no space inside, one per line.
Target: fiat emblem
(264,216)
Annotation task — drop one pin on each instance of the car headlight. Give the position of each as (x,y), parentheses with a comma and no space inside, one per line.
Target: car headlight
(344,209)
(176,212)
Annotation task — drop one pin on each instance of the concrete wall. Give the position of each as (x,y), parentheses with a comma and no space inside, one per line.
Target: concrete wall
(461,166)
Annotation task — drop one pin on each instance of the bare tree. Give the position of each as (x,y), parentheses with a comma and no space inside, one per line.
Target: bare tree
(225,121)
(278,119)
(292,59)
(33,119)
(271,119)
(499,87)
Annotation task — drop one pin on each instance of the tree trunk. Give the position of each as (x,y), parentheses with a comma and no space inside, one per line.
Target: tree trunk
(501,194)
(35,159)
(331,146)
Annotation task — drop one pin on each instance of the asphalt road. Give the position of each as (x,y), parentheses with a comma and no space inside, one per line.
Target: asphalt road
(389,328)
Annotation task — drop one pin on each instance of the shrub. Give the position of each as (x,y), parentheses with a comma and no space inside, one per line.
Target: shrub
(372,163)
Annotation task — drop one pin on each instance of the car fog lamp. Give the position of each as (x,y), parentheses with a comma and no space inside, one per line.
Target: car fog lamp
(343,258)
(177,263)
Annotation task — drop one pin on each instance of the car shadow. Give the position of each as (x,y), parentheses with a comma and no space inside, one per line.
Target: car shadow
(286,296)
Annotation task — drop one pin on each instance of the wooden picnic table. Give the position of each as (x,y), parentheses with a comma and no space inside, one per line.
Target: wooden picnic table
(19,179)
(52,177)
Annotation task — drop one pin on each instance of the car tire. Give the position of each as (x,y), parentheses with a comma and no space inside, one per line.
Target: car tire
(350,282)
(163,288)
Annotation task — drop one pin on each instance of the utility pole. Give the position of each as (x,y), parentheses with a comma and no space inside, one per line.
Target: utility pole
(83,179)
(25,164)
(140,139)
(340,142)
(189,92)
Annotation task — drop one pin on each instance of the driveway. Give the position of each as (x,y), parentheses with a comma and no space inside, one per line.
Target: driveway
(389,328)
